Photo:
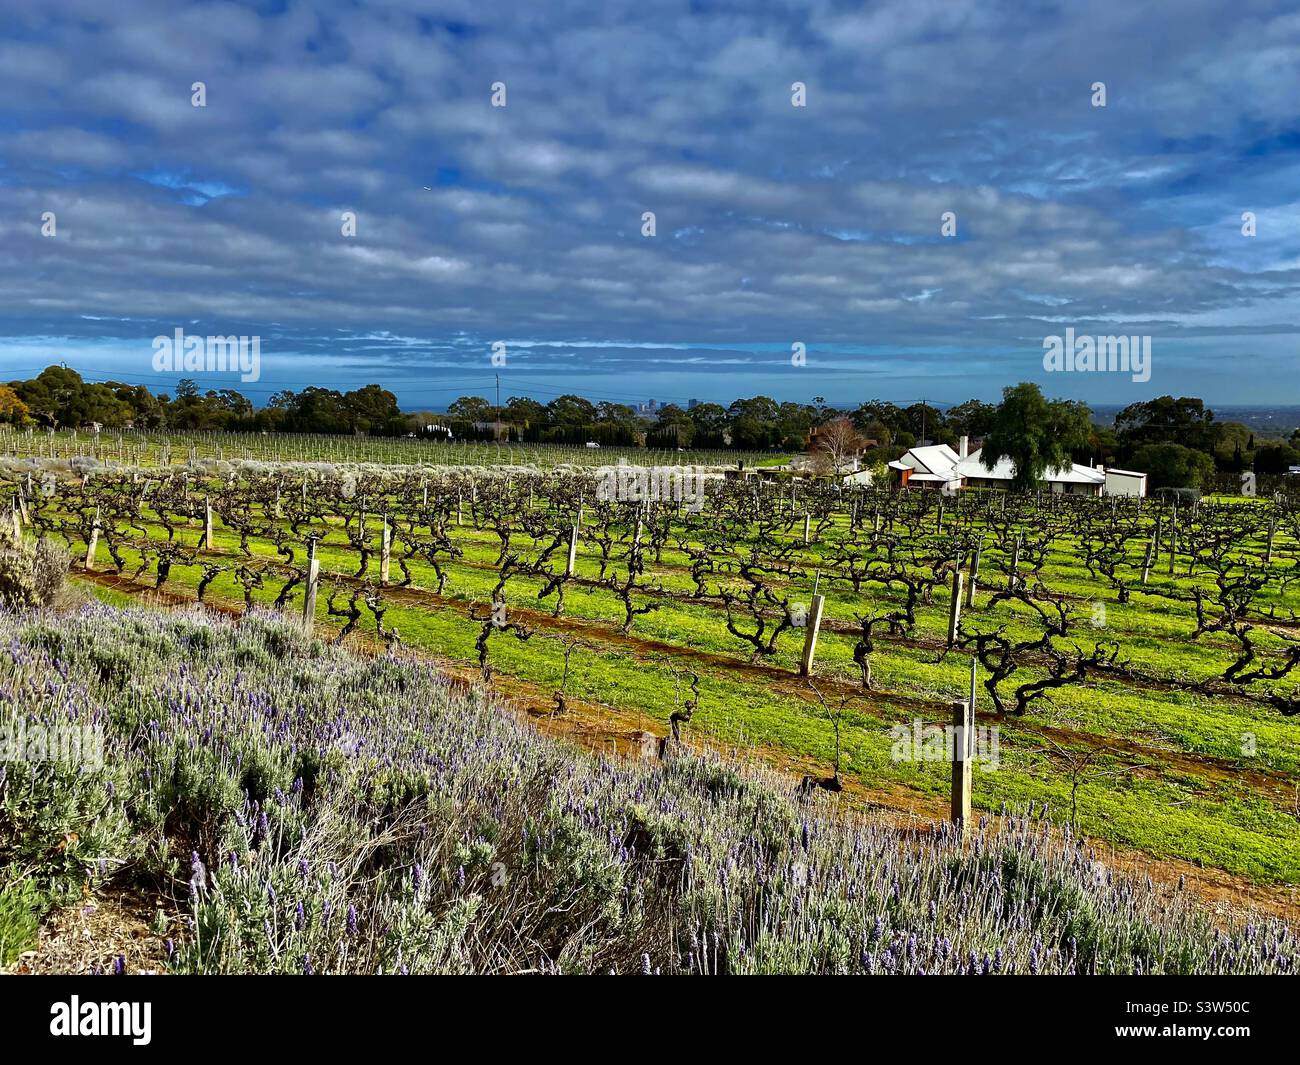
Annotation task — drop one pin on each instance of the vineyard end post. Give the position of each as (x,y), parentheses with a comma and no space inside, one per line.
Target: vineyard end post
(313,586)
(573,553)
(963,731)
(93,543)
(954,610)
(813,623)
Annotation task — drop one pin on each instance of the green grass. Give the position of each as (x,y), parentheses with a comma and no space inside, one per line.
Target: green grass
(1128,799)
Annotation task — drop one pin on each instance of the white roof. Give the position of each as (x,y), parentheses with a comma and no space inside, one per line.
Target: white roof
(1004,470)
(1124,473)
(932,458)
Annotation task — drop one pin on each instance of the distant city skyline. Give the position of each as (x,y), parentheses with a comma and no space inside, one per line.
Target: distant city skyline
(893,202)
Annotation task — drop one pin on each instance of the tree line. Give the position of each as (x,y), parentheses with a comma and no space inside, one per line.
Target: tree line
(1178,441)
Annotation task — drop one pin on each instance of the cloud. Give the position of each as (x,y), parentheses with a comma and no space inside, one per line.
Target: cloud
(775,223)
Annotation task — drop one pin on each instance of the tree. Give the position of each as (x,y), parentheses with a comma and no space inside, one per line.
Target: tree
(833,446)
(874,414)
(1102,446)
(1174,466)
(674,428)
(753,423)
(472,409)
(972,418)
(372,410)
(570,411)
(12,409)
(1184,421)
(710,421)
(925,422)
(1035,434)
(526,413)
(1276,458)
(794,421)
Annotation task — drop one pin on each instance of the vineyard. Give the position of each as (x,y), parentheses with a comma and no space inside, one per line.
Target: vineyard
(146,449)
(1140,658)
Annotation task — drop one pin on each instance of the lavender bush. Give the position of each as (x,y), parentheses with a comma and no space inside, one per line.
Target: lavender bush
(318,812)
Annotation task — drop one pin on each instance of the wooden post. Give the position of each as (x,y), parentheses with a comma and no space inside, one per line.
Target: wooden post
(812,624)
(573,553)
(1155,558)
(207,525)
(954,610)
(18,528)
(93,544)
(1015,560)
(807,524)
(1146,562)
(963,726)
(460,505)
(313,586)
(1272,528)
(1173,538)
(385,550)
(974,574)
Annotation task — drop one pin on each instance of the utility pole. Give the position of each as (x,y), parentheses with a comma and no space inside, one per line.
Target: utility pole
(498,377)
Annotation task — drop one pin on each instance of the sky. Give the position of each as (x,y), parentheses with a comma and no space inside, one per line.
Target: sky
(799,160)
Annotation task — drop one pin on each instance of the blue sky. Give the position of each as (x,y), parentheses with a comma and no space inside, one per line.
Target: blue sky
(776,225)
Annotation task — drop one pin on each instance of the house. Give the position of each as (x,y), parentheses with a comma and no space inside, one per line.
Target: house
(1073,480)
(930,466)
(1125,483)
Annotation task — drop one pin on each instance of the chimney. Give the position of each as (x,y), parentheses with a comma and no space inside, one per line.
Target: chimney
(964,447)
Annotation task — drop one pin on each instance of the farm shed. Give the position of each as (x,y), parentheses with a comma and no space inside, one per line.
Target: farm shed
(1125,483)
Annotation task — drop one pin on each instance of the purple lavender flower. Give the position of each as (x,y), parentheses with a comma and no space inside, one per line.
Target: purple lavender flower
(352,920)
(198,875)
